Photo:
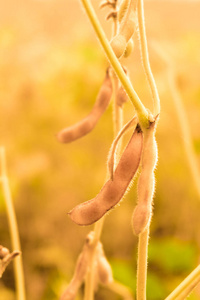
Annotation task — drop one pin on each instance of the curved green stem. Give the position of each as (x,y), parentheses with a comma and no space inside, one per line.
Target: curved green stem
(145,58)
(140,108)
(14,233)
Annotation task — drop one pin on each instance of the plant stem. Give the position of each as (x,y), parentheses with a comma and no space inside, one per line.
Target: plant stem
(185,131)
(145,57)
(142,264)
(117,110)
(140,109)
(181,115)
(144,236)
(89,282)
(186,286)
(117,124)
(14,233)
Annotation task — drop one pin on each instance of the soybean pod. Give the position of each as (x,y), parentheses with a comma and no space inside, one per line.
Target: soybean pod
(104,271)
(126,30)
(129,48)
(123,10)
(113,190)
(111,155)
(87,124)
(146,183)
(3,252)
(6,257)
(72,289)
(127,25)
(80,271)
(121,96)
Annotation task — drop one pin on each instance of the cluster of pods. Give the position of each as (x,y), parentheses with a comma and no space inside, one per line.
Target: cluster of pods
(141,150)
(138,156)
(103,272)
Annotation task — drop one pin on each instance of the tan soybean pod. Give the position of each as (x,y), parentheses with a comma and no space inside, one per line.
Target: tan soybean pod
(111,155)
(79,274)
(80,271)
(123,8)
(125,32)
(87,124)
(146,183)
(129,48)
(127,25)
(104,270)
(121,96)
(3,252)
(118,44)
(141,218)
(112,192)
(8,257)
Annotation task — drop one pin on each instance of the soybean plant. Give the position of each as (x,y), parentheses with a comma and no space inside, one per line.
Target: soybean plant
(140,154)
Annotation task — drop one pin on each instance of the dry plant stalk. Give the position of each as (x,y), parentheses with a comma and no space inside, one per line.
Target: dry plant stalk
(171,73)
(14,232)
(5,258)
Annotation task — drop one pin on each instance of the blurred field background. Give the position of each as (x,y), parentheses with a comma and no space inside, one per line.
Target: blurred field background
(51,68)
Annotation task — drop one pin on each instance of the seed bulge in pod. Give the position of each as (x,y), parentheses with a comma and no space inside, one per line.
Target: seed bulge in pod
(118,44)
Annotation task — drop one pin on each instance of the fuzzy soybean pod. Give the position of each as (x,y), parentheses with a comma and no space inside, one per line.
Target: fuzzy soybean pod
(129,48)
(87,124)
(80,271)
(6,258)
(104,270)
(121,96)
(146,183)
(126,31)
(3,252)
(123,8)
(111,155)
(113,190)
(72,289)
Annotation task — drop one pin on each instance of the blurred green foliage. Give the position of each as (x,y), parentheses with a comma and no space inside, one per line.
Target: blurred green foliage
(173,256)
(124,272)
